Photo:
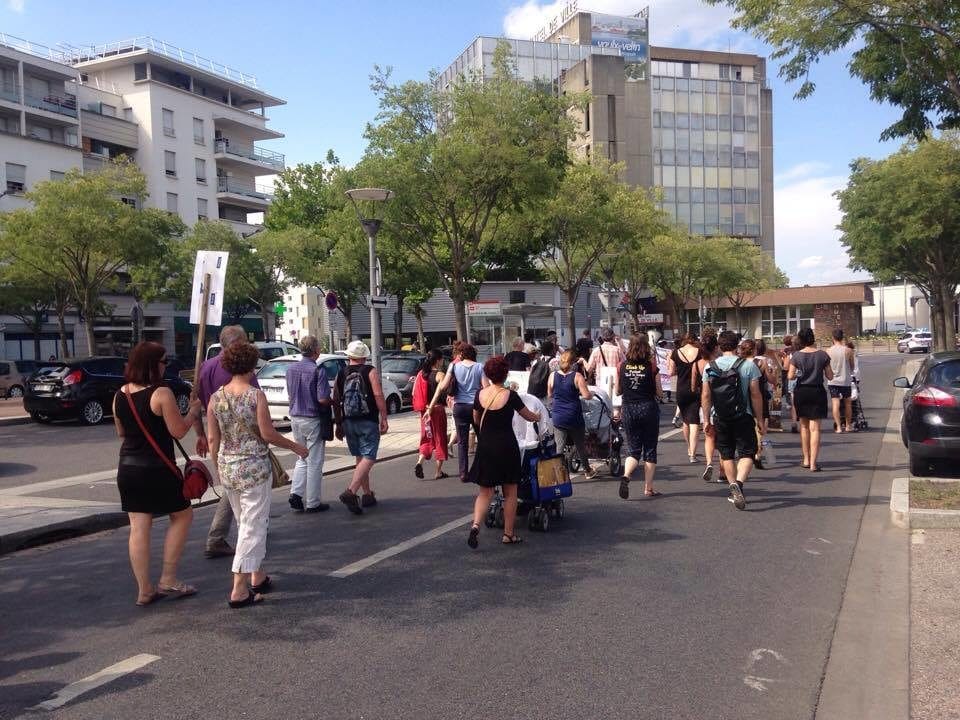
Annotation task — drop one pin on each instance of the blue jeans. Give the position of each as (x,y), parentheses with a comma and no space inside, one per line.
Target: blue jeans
(308,474)
(463,420)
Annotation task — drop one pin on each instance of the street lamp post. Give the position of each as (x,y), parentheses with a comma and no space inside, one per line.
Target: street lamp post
(371,199)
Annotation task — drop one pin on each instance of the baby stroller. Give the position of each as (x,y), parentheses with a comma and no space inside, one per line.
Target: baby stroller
(603,438)
(859,419)
(544,482)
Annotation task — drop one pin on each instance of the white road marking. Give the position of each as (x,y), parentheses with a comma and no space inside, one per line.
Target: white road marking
(107,675)
(353,568)
(671,433)
(811,552)
(756,657)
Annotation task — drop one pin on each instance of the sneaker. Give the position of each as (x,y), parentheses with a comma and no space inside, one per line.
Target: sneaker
(736,496)
(220,548)
(369,500)
(590,473)
(708,474)
(625,488)
(320,507)
(296,502)
(351,501)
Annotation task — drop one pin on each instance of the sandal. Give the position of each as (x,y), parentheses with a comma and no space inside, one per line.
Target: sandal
(472,538)
(511,539)
(250,599)
(816,468)
(262,587)
(150,599)
(441,476)
(418,471)
(624,490)
(178,591)
(652,493)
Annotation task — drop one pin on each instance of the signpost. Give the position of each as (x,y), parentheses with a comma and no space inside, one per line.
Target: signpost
(484,308)
(378,301)
(206,304)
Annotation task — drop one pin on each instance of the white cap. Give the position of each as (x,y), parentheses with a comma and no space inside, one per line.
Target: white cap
(358,350)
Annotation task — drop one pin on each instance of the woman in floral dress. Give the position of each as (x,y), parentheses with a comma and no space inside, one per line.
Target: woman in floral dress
(240,428)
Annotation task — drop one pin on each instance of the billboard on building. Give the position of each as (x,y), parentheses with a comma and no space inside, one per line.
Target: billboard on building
(628,34)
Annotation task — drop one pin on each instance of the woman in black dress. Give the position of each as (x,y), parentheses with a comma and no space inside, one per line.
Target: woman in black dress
(497,461)
(809,366)
(683,366)
(147,485)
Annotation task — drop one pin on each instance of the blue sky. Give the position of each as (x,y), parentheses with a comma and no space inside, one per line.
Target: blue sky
(319,55)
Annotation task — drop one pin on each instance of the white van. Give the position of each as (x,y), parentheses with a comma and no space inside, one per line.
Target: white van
(268,350)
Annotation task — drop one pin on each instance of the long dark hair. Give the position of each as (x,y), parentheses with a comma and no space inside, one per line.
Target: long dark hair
(639,349)
(429,361)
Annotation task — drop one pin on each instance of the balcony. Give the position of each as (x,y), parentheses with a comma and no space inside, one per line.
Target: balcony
(227,151)
(57,104)
(243,193)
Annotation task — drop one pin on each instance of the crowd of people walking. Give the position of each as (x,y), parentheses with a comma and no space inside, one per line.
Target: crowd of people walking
(724,387)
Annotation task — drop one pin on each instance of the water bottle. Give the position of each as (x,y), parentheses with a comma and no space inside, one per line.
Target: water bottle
(767,453)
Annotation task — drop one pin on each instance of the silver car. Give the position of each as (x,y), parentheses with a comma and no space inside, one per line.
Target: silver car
(402,370)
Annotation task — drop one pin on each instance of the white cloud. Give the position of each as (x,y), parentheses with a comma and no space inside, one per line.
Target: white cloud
(801,171)
(672,22)
(17,6)
(806,216)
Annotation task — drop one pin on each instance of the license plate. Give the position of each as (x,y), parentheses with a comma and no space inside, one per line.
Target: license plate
(42,388)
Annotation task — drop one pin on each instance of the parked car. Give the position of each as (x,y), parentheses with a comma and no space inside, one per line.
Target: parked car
(914,341)
(84,389)
(272,378)
(13,377)
(268,350)
(930,424)
(402,369)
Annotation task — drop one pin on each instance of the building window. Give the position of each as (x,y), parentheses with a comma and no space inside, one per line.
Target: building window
(780,321)
(128,114)
(586,119)
(129,201)
(716,318)
(201,208)
(140,71)
(724,72)
(171,202)
(56,175)
(201,170)
(518,296)
(198,136)
(168,123)
(170,163)
(16,178)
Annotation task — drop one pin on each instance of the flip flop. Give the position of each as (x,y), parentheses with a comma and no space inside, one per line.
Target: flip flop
(250,599)
(262,587)
(150,600)
(816,468)
(654,493)
(511,539)
(418,471)
(472,537)
(441,476)
(178,591)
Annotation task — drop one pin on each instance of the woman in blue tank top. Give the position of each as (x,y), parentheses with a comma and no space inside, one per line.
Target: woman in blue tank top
(566,387)
(466,375)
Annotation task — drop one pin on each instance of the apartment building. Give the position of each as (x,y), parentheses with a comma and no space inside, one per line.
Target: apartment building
(192,125)
(695,123)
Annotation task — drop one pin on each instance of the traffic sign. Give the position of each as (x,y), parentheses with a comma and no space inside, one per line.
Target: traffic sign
(331,300)
(378,301)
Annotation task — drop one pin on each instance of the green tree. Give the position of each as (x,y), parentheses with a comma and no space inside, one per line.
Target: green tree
(901,218)
(405,276)
(79,231)
(746,272)
(675,266)
(908,53)
(459,161)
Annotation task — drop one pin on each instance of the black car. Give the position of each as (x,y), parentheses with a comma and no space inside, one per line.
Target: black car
(930,426)
(84,389)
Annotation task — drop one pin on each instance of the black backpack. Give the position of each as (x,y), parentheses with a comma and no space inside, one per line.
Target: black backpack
(726,389)
(539,375)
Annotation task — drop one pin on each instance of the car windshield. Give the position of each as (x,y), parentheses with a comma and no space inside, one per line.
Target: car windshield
(923,336)
(274,370)
(945,375)
(408,366)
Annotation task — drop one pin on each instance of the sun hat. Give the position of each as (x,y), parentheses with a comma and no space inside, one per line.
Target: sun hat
(358,350)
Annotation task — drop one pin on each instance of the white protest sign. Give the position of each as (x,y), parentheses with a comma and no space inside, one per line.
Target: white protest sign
(606,379)
(518,380)
(213,262)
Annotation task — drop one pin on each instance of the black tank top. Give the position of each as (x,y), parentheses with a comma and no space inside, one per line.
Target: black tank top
(637,381)
(135,445)
(684,370)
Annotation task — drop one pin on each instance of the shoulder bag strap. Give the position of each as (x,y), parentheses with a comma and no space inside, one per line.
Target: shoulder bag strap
(496,395)
(153,443)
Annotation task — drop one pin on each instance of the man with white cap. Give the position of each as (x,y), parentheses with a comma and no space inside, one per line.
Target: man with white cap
(361,416)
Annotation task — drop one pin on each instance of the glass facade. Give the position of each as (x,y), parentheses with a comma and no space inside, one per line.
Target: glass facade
(706,146)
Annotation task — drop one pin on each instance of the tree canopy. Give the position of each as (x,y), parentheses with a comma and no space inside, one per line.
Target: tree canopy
(907,53)
(901,218)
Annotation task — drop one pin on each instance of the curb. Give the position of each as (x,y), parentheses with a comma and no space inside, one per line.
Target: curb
(99,522)
(16,420)
(903,516)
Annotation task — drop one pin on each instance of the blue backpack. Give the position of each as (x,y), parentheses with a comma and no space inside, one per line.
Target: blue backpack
(354,396)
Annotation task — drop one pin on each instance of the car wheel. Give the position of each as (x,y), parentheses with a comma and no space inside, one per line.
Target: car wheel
(39,418)
(918,466)
(393,405)
(183,403)
(92,412)
(15,392)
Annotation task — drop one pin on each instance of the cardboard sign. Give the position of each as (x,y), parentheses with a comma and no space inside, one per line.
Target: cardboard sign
(213,262)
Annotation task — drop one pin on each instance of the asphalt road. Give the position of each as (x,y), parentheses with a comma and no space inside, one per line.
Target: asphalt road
(678,607)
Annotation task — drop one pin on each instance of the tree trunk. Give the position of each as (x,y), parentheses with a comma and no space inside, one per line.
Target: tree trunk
(572,314)
(35,330)
(87,307)
(948,301)
(421,341)
(459,311)
(398,324)
(265,319)
(936,317)
(736,313)
(62,330)
(348,321)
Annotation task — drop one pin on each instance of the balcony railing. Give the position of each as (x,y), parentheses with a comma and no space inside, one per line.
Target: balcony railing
(61,104)
(250,152)
(249,189)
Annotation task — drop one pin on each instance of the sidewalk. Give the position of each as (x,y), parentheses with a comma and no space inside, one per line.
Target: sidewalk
(28,520)
(12,412)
